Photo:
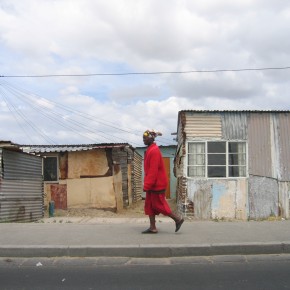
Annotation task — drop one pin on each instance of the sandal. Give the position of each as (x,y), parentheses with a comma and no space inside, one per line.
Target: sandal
(178,225)
(149,231)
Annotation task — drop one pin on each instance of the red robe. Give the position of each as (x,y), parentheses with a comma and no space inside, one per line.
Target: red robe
(155,182)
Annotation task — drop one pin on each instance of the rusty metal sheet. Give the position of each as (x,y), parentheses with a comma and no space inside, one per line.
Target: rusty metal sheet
(59,195)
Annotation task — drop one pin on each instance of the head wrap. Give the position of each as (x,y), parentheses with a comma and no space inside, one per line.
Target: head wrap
(152,133)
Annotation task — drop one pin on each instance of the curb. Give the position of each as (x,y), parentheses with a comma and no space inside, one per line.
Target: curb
(146,251)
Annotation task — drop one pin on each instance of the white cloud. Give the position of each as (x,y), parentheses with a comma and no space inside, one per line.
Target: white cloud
(41,37)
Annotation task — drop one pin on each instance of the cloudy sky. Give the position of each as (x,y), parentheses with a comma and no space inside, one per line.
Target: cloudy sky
(89,71)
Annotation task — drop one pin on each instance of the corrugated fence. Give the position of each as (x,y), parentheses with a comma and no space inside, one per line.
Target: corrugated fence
(21,187)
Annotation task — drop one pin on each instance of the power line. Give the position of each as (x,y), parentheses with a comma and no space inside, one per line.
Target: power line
(147,73)
(24,118)
(30,99)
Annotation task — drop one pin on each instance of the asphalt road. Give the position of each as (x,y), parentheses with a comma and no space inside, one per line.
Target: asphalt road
(216,272)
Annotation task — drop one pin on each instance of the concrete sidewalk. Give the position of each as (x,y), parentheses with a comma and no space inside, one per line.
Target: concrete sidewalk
(96,237)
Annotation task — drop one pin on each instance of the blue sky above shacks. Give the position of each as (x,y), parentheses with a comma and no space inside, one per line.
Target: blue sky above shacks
(110,38)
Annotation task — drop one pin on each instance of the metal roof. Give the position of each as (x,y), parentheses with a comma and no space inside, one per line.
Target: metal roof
(70,148)
(237,111)
(9,145)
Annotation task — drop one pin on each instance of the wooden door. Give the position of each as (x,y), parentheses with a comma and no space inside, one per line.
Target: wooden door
(167,168)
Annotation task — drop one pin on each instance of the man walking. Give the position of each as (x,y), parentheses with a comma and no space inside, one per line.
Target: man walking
(155,184)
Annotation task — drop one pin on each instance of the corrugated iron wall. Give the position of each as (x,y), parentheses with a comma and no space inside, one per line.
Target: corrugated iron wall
(121,157)
(203,125)
(263,197)
(234,126)
(1,172)
(124,157)
(21,187)
(284,138)
(259,141)
(137,177)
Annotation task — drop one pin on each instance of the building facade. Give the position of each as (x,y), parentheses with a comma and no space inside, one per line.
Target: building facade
(233,164)
(101,176)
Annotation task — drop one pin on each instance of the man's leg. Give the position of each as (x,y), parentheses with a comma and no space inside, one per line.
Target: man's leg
(150,212)
(178,221)
(161,205)
(152,223)
(152,229)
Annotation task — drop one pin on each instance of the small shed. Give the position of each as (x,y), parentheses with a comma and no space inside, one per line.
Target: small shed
(233,164)
(100,176)
(21,184)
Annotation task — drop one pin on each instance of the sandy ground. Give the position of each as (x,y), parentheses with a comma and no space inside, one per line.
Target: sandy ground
(136,210)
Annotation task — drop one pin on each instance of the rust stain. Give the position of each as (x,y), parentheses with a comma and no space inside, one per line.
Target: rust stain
(59,195)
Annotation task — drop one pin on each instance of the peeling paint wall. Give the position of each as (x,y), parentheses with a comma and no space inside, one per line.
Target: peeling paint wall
(221,199)
(200,193)
(229,199)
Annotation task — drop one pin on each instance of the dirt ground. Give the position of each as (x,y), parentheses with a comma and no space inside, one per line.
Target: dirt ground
(136,210)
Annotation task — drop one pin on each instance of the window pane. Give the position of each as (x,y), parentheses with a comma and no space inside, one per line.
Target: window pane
(216,159)
(216,147)
(237,159)
(216,171)
(196,171)
(50,168)
(197,159)
(196,148)
(237,171)
(237,147)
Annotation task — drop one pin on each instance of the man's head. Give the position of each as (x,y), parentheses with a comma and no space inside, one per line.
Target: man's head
(149,136)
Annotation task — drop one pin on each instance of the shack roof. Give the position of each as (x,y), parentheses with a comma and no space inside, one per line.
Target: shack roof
(71,148)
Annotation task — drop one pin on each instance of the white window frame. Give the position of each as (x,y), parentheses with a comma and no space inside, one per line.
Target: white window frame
(227,165)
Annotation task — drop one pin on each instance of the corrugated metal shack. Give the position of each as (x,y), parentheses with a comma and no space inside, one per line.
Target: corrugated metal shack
(21,185)
(233,164)
(101,176)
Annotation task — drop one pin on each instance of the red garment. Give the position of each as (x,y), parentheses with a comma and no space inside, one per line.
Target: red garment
(155,203)
(155,179)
